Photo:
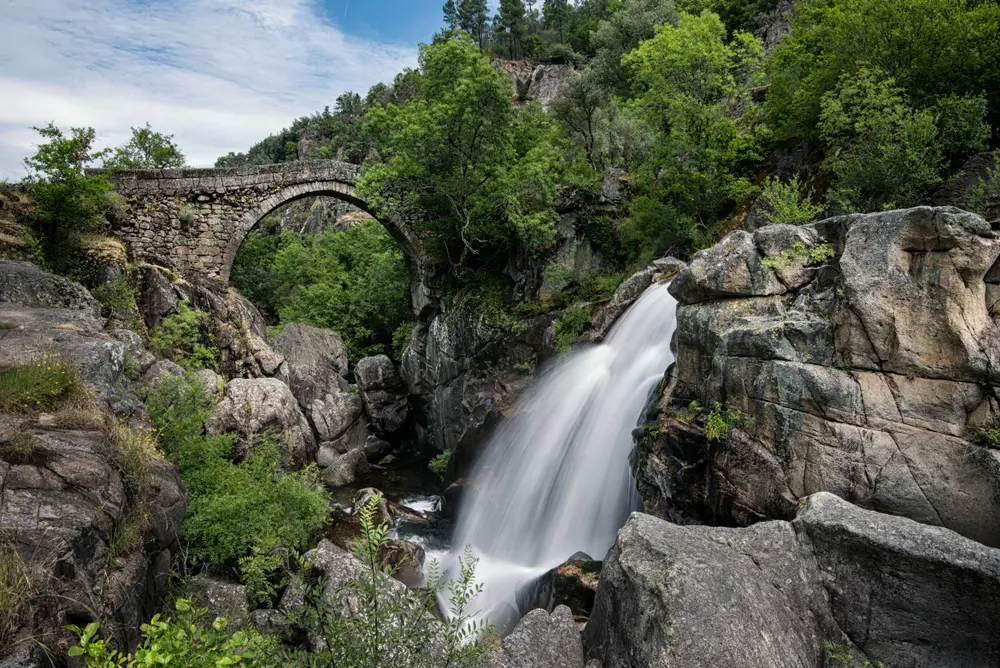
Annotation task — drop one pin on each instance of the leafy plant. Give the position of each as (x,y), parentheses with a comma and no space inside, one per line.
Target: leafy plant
(120,298)
(185,338)
(67,197)
(570,326)
(184,641)
(721,420)
(841,656)
(262,573)
(438,465)
(371,624)
(178,409)
(985,195)
(146,149)
(787,203)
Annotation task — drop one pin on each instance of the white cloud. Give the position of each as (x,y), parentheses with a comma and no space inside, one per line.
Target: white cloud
(218,74)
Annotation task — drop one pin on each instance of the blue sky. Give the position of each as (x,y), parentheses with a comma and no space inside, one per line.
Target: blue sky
(217,74)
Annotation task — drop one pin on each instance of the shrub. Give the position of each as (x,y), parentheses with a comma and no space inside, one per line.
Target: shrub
(799,253)
(438,465)
(262,573)
(186,339)
(234,506)
(985,195)
(120,299)
(841,656)
(184,641)
(18,588)
(67,197)
(788,202)
(570,326)
(178,409)
(39,385)
(369,625)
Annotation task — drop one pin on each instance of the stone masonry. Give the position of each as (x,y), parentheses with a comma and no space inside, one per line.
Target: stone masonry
(195,220)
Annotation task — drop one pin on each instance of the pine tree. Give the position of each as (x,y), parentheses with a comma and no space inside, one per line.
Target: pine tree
(472,18)
(450,15)
(554,15)
(510,22)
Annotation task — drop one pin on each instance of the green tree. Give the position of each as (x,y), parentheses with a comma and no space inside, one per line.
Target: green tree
(480,172)
(692,81)
(929,48)
(555,16)
(146,150)
(450,11)
(580,110)
(67,197)
(882,153)
(510,26)
(621,33)
(473,18)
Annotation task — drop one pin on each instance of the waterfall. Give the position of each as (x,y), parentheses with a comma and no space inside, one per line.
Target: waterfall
(555,479)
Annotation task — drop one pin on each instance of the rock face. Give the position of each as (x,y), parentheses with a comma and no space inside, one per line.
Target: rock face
(346,469)
(61,494)
(25,284)
(383,394)
(315,362)
(957,190)
(540,83)
(860,363)
(464,373)
(772,594)
(541,640)
(239,330)
(255,406)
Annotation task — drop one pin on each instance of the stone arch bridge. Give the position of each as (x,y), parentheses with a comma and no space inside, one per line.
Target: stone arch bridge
(195,220)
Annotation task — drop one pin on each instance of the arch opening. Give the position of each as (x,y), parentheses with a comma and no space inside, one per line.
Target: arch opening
(348,271)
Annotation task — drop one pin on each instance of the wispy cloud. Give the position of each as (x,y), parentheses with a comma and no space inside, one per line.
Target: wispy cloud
(218,74)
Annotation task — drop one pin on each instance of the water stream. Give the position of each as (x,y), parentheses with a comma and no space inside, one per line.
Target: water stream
(555,479)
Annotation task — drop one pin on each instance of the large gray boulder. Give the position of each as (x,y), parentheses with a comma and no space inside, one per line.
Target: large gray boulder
(335,415)
(383,393)
(346,469)
(541,640)
(884,588)
(863,355)
(315,362)
(257,406)
(25,284)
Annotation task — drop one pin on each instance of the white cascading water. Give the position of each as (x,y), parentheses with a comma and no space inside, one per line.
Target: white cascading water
(555,479)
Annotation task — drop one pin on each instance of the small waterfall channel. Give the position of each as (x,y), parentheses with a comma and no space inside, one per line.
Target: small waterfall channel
(555,479)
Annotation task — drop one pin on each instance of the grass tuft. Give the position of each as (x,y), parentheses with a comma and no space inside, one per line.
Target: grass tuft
(22,448)
(18,587)
(38,386)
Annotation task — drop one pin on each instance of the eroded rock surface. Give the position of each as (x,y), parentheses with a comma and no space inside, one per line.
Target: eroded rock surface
(861,353)
(257,406)
(315,362)
(383,393)
(884,588)
(541,640)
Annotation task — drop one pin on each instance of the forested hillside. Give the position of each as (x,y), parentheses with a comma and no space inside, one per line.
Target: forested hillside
(866,105)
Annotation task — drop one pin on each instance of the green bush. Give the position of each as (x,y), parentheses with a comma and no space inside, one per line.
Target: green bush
(801,254)
(186,338)
(38,386)
(183,641)
(233,506)
(67,198)
(570,326)
(438,465)
(787,203)
(120,298)
(722,420)
(372,626)
(842,656)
